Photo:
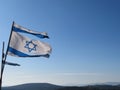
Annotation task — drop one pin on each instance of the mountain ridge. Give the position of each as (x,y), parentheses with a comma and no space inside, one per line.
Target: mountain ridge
(48,86)
(33,86)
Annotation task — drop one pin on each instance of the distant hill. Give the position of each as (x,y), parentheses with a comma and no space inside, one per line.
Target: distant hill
(111,83)
(96,87)
(47,86)
(33,86)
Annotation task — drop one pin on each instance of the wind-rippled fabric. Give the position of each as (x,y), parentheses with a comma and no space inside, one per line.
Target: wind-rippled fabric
(23,46)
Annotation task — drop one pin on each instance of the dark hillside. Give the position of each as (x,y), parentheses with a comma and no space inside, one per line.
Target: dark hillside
(47,86)
(33,86)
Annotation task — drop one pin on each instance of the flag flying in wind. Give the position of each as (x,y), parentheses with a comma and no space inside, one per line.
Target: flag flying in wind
(18,28)
(23,46)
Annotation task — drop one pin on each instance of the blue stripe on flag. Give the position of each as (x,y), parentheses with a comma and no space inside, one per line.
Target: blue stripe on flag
(21,54)
(22,31)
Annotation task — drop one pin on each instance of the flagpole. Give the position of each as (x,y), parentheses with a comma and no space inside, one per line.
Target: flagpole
(4,56)
(2,65)
(9,41)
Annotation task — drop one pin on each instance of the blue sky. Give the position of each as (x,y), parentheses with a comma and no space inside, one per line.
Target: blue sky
(84,35)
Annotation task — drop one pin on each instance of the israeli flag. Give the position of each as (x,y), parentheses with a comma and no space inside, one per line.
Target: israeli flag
(22,46)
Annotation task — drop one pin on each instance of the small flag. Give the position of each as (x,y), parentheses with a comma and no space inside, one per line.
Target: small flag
(22,46)
(12,64)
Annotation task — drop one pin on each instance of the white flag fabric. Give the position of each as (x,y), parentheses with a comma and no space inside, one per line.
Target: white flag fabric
(18,28)
(22,46)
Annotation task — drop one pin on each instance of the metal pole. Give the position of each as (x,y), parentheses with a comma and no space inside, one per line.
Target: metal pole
(4,56)
(9,42)
(2,67)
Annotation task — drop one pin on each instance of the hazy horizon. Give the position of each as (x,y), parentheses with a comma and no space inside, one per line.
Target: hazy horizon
(70,84)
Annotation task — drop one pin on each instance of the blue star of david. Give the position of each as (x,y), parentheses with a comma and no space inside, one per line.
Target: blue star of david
(30,46)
